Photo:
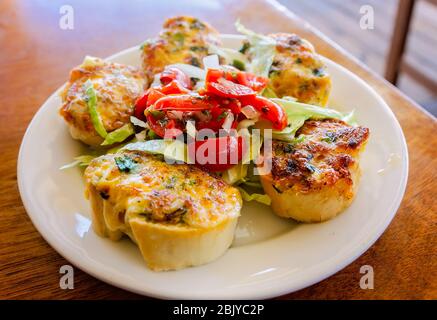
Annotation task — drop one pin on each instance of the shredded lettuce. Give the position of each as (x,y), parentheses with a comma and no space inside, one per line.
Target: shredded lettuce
(235,174)
(298,113)
(190,70)
(229,55)
(137,122)
(238,173)
(261,51)
(119,135)
(172,150)
(258,197)
(91,100)
(269,93)
(79,161)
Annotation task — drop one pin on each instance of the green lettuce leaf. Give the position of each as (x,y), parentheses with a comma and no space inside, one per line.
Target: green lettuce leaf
(172,150)
(298,113)
(91,100)
(258,197)
(229,55)
(79,161)
(119,135)
(261,50)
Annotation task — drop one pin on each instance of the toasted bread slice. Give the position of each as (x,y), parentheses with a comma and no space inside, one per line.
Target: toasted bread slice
(315,178)
(179,215)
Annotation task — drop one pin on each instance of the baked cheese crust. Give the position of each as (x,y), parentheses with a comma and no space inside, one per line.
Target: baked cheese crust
(117,87)
(178,215)
(183,39)
(315,178)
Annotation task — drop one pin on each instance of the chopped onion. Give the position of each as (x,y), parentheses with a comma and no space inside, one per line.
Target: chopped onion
(191,129)
(138,122)
(200,84)
(141,136)
(211,62)
(175,114)
(227,124)
(246,123)
(250,112)
(203,115)
(156,81)
(191,71)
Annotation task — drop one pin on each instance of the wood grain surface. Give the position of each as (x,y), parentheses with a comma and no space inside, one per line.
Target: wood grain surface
(35,58)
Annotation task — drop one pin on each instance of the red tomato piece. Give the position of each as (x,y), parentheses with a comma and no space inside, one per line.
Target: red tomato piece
(174,87)
(227,152)
(141,105)
(163,126)
(269,110)
(252,81)
(229,89)
(171,73)
(185,102)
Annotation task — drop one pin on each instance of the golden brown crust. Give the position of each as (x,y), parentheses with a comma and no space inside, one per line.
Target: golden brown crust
(298,71)
(161,192)
(324,157)
(117,88)
(184,39)
(316,177)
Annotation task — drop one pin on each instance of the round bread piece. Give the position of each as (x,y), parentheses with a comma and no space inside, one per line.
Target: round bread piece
(298,71)
(183,39)
(178,215)
(117,87)
(315,178)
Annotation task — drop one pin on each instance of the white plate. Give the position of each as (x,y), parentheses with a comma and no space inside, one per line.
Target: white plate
(270,256)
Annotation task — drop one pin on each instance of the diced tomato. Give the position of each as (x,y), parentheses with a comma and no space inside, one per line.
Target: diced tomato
(239,77)
(269,110)
(228,151)
(174,87)
(171,73)
(185,102)
(163,126)
(252,81)
(228,89)
(217,118)
(141,105)
(154,95)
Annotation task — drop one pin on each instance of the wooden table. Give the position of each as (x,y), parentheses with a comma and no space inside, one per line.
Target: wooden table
(35,58)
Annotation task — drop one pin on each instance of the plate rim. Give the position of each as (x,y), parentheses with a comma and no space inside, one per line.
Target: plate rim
(286,288)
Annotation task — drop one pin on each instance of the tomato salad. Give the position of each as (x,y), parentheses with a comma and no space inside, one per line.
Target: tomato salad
(228,97)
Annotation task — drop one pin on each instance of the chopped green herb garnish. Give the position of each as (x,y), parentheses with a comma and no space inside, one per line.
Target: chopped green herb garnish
(157,114)
(239,65)
(222,115)
(151,135)
(245,47)
(329,137)
(198,25)
(310,167)
(125,163)
(179,37)
(298,61)
(198,48)
(195,62)
(318,72)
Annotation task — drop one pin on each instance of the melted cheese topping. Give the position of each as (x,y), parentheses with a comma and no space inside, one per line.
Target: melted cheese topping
(298,71)
(117,87)
(183,40)
(328,153)
(163,193)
